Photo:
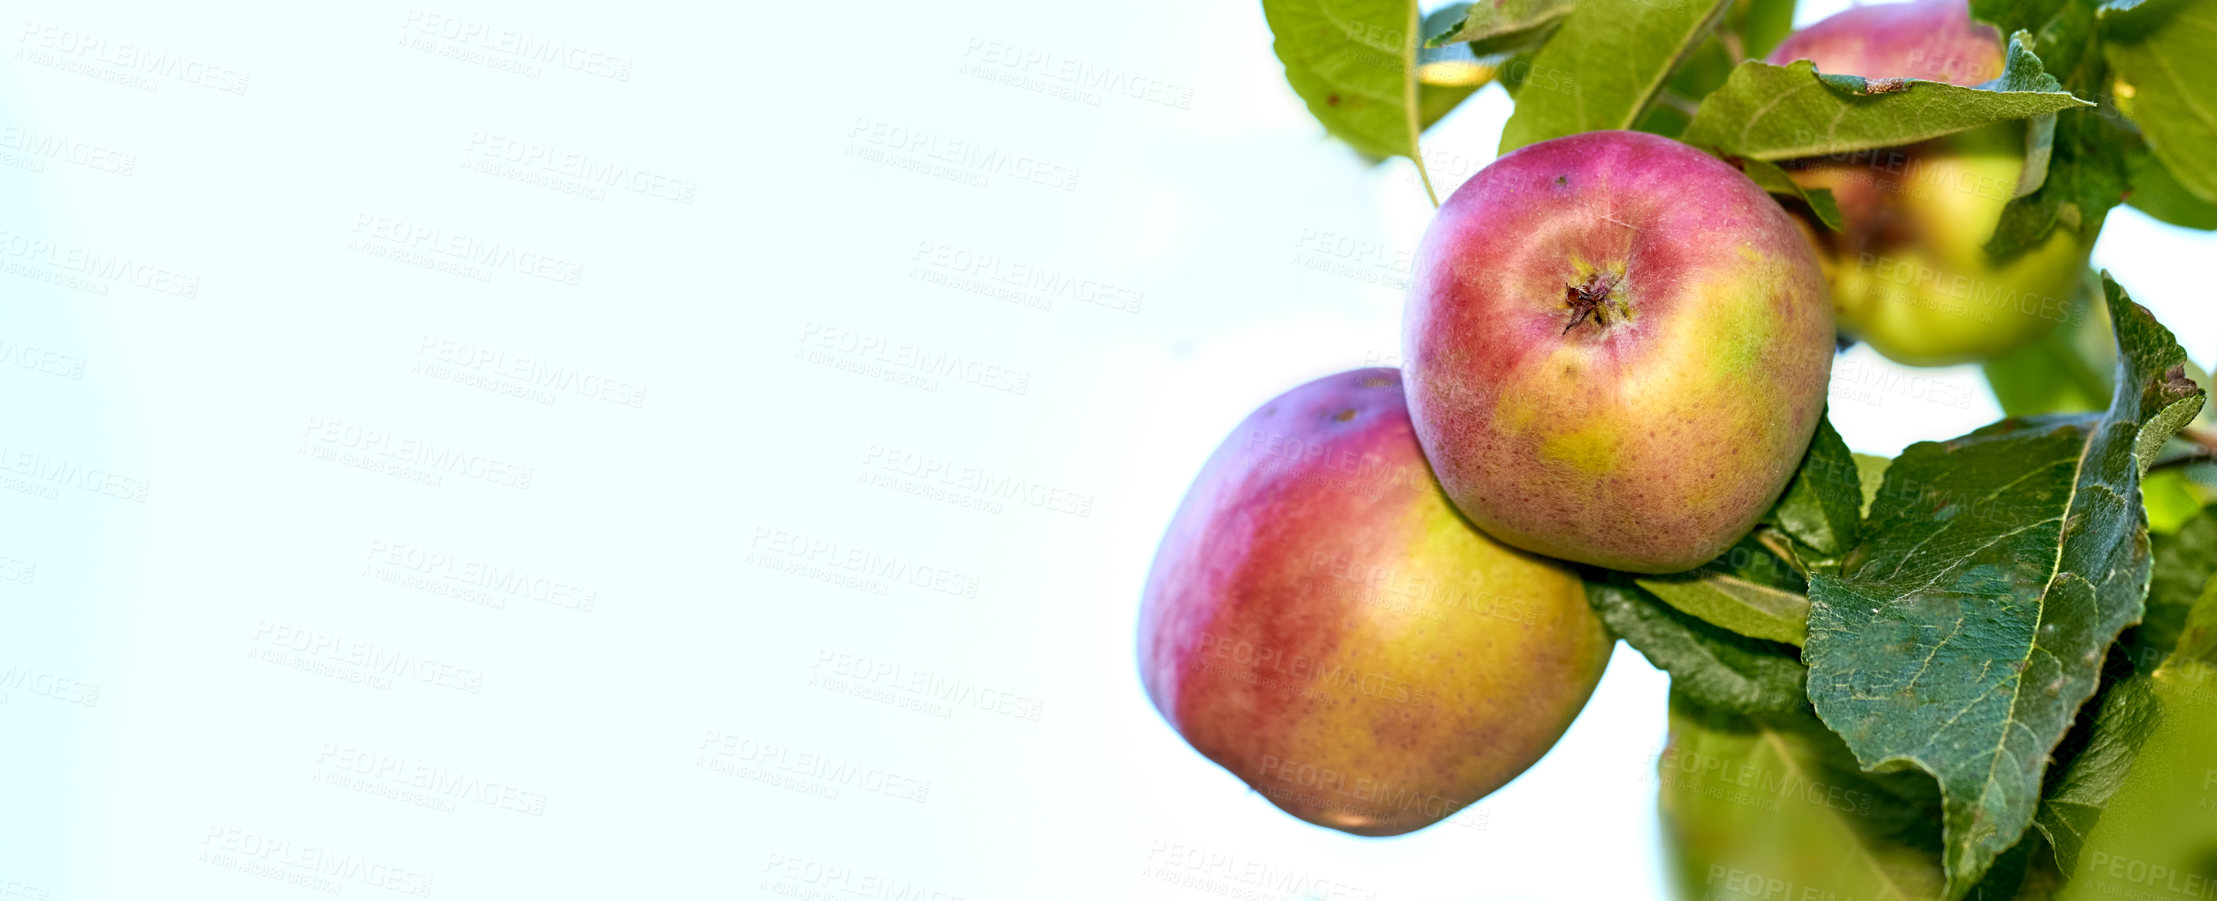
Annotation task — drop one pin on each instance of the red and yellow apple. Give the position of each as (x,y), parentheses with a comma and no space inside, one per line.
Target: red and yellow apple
(1322,623)
(1909,273)
(1617,350)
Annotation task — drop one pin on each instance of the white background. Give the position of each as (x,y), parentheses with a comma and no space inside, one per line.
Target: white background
(182,516)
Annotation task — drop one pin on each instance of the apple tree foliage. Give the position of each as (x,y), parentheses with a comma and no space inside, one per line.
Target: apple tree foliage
(1986,668)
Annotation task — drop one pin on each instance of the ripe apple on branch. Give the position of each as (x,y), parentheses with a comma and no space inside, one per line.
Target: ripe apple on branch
(1389,592)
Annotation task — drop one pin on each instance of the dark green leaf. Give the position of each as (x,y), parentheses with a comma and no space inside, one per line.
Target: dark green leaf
(1713,665)
(1773,179)
(1785,112)
(1822,506)
(1354,63)
(1494,26)
(2141,798)
(2165,60)
(2011,16)
(1970,623)
(1613,58)
(2069,369)
(1774,806)
(2085,178)
(2084,174)
(2073,804)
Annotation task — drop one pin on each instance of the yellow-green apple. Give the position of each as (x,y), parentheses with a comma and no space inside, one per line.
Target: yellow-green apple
(1909,272)
(1323,624)
(1617,350)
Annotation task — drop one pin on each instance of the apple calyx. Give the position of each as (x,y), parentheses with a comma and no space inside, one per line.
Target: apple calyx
(1591,301)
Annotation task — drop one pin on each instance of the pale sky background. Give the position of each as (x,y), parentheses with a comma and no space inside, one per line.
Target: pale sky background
(183,711)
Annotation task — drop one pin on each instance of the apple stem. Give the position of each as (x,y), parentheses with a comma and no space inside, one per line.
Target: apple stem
(1590,300)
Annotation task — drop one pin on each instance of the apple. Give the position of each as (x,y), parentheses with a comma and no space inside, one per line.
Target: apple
(1322,623)
(1617,350)
(1909,272)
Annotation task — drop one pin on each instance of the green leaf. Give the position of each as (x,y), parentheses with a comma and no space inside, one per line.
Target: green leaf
(1494,26)
(1774,806)
(1753,589)
(2069,369)
(1773,179)
(1616,56)
(1870,469)
(1354,62)
(1446,76)
(1823,505)
(2085,178)
(1786,112)
(2073,804)
(2146,801)
(1711,664)
(2156,192)
(2011,16)
(2084,172)
(1748,608)
(2164,57)
(2185,576)
(1761,25)
(1965,630)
